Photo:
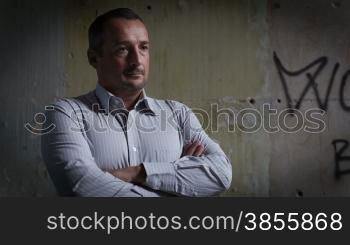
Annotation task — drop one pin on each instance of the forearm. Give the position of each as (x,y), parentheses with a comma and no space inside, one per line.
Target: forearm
(193,175)
(137,175)
(190,176)
(134,174)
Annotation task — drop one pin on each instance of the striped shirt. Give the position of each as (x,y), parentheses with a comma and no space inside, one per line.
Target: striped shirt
(94,134)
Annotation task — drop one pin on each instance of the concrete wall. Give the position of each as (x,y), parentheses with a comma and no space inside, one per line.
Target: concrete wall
(207,54)
(31,75)
(300,34)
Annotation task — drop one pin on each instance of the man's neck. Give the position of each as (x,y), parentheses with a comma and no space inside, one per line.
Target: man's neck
(129,98)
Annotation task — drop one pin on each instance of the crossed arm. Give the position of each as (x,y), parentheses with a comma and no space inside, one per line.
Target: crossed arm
(137,174)
(203,170)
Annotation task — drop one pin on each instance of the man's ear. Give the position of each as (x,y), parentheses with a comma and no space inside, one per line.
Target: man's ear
(92,56)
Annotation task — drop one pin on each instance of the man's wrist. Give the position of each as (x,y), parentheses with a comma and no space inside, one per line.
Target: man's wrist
(134,174)
(140,175)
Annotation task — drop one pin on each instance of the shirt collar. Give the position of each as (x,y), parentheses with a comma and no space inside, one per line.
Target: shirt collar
(111,102)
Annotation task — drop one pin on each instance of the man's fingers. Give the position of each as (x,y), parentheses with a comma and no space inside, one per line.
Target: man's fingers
(199,151)
(190,149)
(194,149)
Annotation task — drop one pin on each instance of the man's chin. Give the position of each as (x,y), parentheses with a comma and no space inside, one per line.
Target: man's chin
(134,84)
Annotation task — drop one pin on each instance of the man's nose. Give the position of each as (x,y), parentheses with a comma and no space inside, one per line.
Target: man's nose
(135,57)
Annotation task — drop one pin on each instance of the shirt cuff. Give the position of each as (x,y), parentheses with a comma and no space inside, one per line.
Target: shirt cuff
(160,176)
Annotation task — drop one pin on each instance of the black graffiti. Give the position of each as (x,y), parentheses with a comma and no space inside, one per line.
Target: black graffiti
(320,64)
(341,91)
(340,145)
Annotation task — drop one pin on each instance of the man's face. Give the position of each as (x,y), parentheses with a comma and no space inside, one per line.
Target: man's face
(123,64)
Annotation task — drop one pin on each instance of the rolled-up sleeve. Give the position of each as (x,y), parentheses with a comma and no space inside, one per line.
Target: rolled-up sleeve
(71,164)
(207,175)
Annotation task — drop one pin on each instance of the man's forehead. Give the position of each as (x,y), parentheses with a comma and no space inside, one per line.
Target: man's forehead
(120,27)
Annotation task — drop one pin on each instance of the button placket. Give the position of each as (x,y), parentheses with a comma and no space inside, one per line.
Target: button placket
(132,134)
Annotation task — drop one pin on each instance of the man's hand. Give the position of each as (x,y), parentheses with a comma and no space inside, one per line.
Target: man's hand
(135,174)
(193,149)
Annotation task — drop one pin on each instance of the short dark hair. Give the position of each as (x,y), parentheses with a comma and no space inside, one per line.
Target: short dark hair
(97,26)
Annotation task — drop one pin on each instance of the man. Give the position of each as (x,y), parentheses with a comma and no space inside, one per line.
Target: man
(116,141)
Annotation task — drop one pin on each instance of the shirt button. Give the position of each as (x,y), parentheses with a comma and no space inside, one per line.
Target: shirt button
(134,148)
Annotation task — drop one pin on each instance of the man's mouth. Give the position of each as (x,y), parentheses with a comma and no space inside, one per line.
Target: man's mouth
(133,74)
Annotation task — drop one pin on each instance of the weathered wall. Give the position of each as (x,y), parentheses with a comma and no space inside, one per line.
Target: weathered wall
(299,35)
(31,75)
(205,54)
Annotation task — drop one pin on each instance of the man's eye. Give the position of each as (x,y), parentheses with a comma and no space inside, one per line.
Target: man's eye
(121,50)
(145,48)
